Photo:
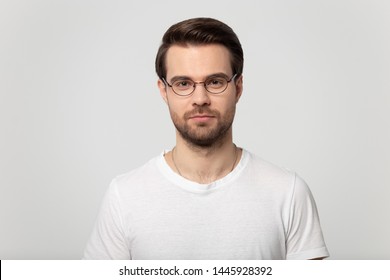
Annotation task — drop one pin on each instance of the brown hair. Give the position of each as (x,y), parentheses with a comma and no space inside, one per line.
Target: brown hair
(200,31)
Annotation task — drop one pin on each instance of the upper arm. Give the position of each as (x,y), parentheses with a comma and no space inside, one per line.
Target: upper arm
(108,239)
(304,236)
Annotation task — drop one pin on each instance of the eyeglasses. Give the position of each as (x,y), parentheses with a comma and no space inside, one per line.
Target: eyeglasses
(214,84)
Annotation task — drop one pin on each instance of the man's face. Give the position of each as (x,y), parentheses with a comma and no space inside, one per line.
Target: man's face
(202,119)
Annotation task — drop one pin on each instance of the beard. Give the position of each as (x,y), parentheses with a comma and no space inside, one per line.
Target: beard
(204,134)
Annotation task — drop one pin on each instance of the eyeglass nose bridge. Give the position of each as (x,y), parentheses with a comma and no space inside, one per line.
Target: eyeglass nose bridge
(197,83)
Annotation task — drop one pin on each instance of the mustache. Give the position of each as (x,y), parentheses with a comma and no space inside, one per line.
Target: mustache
(201,111)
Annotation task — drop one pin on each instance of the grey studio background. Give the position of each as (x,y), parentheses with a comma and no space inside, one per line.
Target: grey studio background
(79,105)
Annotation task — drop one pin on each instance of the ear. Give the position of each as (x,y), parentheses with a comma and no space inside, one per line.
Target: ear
(239,87)
(163,90)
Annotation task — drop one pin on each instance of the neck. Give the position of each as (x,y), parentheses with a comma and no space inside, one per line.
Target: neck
(204,164)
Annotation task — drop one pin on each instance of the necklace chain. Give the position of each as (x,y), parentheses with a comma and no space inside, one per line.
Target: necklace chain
(178,170)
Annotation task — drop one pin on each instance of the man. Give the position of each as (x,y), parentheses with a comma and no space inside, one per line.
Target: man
(206,198)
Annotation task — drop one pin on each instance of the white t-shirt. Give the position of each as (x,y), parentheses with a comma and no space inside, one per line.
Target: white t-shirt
(258,211)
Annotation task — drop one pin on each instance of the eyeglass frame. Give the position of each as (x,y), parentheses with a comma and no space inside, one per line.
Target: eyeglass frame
(204,85)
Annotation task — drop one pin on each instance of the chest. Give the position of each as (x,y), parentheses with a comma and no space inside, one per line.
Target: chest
(219,226)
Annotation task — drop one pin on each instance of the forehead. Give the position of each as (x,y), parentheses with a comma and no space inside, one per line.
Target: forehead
(197,61)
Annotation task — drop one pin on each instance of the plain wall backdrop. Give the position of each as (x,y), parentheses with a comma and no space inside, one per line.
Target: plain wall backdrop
(79,105)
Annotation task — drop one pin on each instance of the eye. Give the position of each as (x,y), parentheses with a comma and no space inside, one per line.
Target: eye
(183,84)
(216,82)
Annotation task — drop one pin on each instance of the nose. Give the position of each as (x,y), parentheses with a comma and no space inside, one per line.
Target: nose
(200,95)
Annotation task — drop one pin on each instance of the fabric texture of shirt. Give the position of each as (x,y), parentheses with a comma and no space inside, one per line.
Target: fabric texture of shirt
(257,211)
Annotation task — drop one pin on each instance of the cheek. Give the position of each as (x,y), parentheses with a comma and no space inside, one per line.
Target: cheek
(174,106)
(175,110)
(228,106)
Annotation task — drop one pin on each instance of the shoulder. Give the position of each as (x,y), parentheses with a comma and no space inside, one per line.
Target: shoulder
(275,179)
(267,171)
(138,178)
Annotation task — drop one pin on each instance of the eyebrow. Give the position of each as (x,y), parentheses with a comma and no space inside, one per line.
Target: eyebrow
(219,74)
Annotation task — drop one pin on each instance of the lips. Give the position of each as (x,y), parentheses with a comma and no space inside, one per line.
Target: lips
(201,116)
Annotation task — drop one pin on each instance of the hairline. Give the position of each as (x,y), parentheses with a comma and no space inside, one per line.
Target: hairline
(188,44)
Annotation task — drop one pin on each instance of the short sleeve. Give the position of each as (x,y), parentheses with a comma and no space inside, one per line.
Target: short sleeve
(304,235)
(107,240)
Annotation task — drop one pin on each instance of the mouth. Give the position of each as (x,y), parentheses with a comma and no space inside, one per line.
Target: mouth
(201,117)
